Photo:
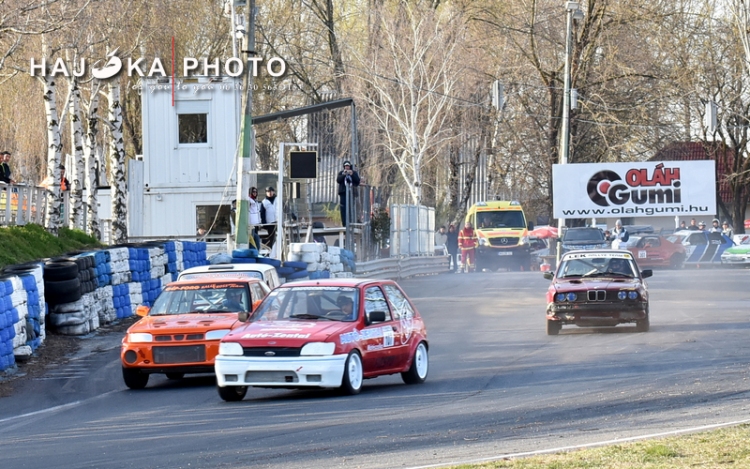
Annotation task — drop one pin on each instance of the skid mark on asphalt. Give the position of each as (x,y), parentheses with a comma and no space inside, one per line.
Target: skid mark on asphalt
(74,369)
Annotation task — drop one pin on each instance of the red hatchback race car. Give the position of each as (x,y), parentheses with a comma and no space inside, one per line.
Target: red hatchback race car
(330,333)
(597,288)
(181,332)
(657,251)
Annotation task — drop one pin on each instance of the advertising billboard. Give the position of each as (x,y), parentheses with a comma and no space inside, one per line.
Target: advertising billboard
(641,189)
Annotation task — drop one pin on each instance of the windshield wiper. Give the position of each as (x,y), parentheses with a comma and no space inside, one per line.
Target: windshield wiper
(308,316)
(595,274)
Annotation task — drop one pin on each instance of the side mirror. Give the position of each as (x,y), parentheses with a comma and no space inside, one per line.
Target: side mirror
(142,311)
(243,316)
(530,226)
(549,275)
(376,316)
(647,273)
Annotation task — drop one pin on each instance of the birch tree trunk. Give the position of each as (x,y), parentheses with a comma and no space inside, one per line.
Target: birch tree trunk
(90,154)
(52,217)
(118,185)
(76,172)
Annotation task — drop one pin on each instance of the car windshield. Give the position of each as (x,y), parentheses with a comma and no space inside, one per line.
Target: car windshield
(592,234)
(597,267)
(201,298)
(501,219)
(309,303)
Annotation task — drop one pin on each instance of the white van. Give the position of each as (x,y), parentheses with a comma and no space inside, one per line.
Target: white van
(264,272)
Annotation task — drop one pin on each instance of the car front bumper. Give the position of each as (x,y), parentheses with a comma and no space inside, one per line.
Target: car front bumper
(598,312)
(735,259)
(274,372)
(503,255)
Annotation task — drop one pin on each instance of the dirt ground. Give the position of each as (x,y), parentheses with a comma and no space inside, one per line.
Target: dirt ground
(56,349)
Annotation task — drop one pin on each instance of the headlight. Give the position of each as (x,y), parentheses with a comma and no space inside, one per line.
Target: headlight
(483,242)
(633,295)
(231,348)
(571,296)
(622,295)
(560,297)
(136,337)
(217,334)
(318,348)
(523,240)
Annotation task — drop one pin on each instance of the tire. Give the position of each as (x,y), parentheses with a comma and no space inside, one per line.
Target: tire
(553,327)
(63,291)
(175,376)
(232,393)
(420,365)
(351,383)
(642,325)
(676,261)
(134,379)
(57,271)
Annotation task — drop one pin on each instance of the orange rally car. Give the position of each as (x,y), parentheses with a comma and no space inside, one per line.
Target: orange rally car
(181,332)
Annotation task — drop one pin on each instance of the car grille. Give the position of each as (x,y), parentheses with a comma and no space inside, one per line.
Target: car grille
(596,295)
(271,351)
(177,337)
(503,241)
(179,354)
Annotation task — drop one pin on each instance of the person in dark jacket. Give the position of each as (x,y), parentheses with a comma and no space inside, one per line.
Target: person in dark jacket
(451,244)
(346,177)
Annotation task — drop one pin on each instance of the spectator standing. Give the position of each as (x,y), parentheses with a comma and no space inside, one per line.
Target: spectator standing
(5,171)
(715,227)
(683,225)
(440,238)
(727,230)
(467,241)
(693,226)
(620,234)
(451,244)
(268,215)
(254,215)
(347,177)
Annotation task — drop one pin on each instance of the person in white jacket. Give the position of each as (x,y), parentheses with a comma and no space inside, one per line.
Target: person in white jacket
(253,216)
(268,216)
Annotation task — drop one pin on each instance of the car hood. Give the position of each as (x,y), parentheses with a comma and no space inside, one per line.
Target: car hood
(185,323)
(495,232)
(287,333)
(596,284)
(584,242)
(743,249)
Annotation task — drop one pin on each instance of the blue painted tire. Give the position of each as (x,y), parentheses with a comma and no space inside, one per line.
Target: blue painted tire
(269,261)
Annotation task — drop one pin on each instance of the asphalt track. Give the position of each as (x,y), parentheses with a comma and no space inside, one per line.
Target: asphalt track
(498,385)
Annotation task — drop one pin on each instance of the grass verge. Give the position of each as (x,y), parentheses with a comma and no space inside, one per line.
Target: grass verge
(32,242)
(725,448)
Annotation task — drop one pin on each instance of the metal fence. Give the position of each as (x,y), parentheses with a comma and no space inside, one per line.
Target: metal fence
(21,204)
(412,230)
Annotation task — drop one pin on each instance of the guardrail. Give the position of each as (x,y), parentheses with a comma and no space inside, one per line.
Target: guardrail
(395,268)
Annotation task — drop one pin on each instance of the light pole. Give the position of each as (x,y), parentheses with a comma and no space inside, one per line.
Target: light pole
(574,13)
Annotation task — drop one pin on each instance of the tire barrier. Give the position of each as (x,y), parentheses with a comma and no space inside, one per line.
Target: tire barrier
(75,294)
(320,261)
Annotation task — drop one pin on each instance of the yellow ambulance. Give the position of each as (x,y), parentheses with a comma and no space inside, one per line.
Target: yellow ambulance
(502,231)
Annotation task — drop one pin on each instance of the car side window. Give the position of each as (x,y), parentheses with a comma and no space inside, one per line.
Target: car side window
(375,301)
(256,292)
(401,307)
(697,239)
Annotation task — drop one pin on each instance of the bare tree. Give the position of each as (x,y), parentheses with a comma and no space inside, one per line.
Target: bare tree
(412,104)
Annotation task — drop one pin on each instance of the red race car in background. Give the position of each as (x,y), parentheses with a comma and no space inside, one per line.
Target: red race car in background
(656,251)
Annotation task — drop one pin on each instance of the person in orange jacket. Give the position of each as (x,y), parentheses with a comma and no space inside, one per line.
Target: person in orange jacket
(468,242)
